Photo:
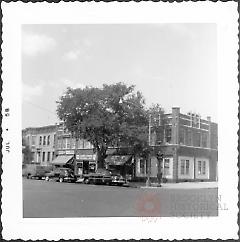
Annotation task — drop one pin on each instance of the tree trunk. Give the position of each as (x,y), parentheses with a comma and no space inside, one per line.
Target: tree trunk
(101,155)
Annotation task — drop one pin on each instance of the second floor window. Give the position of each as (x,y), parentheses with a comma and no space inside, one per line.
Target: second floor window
(40,140)
(44,140)
(168,135)
(48,140)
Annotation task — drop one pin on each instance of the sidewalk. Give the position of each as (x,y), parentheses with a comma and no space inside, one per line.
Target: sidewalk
(180,185)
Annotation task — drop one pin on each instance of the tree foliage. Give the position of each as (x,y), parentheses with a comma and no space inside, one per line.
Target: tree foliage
(27,154)
(113,115)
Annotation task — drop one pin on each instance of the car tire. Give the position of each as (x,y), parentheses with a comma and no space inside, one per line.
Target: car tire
(86,181)
(60,179)
(47,178)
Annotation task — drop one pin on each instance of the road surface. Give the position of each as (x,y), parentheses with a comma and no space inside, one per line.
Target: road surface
(44,199)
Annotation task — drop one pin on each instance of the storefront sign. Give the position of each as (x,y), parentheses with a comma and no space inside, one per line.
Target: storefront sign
(69,152)
(86,157)
(62,152)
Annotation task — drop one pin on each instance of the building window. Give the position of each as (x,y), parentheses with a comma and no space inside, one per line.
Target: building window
(184,167)
(33,140)
(44,140)
(204,139)
(40,140)
(168,135)
(166,167)
(59,145)
(53,156)
(189,137)
(43,156)
(87,144)
(48,140)
(197,139)
(48,156)
(201,167)
(142,166)
(181,136)
(68,143)
(80,144)
(73,143)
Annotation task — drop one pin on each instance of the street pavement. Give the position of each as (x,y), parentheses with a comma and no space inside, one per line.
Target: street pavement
(44,199)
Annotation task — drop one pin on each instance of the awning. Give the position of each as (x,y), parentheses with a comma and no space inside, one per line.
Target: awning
(86,155)
(62,160)
(117,160)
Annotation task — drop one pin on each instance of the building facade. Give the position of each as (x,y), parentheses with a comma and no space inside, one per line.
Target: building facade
(42,142)
(66,147)
(187,146)
(184,147)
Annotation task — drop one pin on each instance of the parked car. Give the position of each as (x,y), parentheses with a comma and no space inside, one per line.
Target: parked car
(101,176)
(61,175)
(36,171)
(117,179)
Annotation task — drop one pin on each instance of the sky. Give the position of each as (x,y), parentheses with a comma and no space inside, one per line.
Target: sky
(174,65)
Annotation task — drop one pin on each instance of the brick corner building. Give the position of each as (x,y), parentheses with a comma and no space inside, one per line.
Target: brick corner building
(188,146)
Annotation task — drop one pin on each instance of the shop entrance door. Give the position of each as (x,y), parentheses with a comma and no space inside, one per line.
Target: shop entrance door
(85,167)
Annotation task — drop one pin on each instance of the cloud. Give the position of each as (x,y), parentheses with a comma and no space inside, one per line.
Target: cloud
(73,84)
(30,92)
(33,44)
(71,55)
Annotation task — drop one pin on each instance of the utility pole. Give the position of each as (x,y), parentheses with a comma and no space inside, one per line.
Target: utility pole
(148,182)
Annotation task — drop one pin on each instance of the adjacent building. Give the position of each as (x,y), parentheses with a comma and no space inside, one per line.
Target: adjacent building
(42,142)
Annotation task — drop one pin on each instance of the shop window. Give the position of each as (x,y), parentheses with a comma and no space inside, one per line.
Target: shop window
(40,140)
(168,135)
(44,140)
(48,140)
(166,167)
(185,167)
(201,167)
(48,156)
(43,156)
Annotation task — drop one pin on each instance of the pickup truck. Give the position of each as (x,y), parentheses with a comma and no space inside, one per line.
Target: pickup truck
(35,171)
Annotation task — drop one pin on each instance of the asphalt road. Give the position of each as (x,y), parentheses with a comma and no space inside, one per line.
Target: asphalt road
(44,199)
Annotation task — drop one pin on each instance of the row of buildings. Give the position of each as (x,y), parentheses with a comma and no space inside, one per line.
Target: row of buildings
(187,144)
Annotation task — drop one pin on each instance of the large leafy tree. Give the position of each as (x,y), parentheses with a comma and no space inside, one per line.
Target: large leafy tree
(113,115)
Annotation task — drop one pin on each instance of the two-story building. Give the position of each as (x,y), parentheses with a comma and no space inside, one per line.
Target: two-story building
(187,145)
(42,142)
(77,154)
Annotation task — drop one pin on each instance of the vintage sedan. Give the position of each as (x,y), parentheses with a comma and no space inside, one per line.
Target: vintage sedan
(61,175)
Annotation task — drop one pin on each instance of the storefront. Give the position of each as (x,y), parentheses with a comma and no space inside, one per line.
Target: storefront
(122,164)
(85,162)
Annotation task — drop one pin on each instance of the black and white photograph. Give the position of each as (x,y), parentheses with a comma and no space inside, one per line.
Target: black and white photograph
(104,105)
(122,121)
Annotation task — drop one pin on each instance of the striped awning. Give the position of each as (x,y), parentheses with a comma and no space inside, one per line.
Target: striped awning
(62,160)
